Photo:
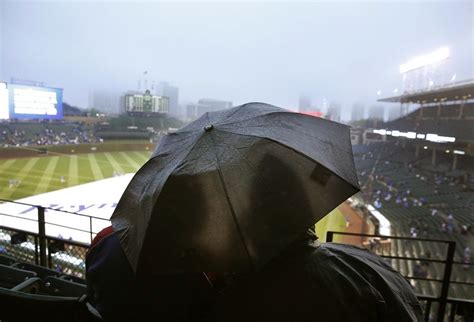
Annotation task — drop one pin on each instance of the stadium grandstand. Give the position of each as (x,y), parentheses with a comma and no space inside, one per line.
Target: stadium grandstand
(417,179)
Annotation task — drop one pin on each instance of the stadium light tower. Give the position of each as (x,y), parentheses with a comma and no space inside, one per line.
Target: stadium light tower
(423,67)
(425,60)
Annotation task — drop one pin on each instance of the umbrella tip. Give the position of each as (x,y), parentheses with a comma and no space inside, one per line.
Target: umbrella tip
(208,128)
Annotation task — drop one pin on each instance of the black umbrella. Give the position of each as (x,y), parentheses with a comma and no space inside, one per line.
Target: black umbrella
(232,189)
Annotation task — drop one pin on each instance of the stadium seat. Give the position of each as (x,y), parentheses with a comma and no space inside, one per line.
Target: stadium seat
(58,286)
(74,279)
(31,285)
(19,306)
(41,271)
(11,276)
(7,260)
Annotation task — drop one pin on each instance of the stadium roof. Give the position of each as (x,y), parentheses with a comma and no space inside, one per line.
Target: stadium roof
(452,92)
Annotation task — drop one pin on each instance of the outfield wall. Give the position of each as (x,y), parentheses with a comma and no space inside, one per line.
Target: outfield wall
(45,150)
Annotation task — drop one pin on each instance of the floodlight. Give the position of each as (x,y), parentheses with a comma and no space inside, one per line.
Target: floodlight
(439,139)
(424,60)
(411,135)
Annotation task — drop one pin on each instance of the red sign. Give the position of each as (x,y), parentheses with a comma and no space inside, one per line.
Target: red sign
(315,113)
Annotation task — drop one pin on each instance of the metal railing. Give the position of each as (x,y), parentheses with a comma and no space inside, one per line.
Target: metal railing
(29,241)
(456,305)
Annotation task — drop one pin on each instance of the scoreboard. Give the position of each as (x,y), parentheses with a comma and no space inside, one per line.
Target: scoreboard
(4,108)
(30,102)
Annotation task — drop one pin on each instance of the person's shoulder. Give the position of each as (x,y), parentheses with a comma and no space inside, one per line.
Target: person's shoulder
(107,231)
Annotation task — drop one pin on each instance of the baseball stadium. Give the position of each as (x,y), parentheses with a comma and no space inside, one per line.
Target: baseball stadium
(415,207)
(204,208)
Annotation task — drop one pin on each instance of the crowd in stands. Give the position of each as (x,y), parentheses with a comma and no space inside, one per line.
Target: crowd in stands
(421,202)
(28,134)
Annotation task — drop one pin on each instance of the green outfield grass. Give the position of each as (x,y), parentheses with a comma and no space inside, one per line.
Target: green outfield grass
(335,221)
(42,174)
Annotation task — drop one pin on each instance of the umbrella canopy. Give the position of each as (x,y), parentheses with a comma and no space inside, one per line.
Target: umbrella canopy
(232,189)
(332,282)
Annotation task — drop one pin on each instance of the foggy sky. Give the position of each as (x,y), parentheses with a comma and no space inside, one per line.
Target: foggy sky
(270,52)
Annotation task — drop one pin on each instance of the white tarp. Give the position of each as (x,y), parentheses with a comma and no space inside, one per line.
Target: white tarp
(97,199)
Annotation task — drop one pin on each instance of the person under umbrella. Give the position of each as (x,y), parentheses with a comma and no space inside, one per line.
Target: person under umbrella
(320,282)
(228,195)
(311,281)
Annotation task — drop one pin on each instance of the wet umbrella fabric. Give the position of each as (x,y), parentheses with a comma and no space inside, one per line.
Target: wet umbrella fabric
(232,189)
(331,283)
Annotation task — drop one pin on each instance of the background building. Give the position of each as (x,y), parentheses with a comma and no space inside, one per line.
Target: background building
(204,105)
(105,101)
(146,103)
(376,112)
(304,104)
(172,92)
(334,112)
(358,110)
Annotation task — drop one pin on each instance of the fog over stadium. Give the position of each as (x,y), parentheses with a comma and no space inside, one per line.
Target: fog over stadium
(240,52)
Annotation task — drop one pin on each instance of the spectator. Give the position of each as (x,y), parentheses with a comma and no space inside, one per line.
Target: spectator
(427,256)
(419,272)
(443,227)
(467,257)
(118,296)
(300,285)
(377,203)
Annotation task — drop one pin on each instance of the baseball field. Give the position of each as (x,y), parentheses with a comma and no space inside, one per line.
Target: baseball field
(28,176)
(23,177)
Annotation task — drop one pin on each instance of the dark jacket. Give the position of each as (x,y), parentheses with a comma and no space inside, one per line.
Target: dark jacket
(331,282)
(118,295)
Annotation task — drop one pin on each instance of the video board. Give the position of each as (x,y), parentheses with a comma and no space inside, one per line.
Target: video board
(33,102)
(4,108)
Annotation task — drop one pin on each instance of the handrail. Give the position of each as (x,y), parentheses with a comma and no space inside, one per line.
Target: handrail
(58,239)
(42,223)
(442,299)
(446,241)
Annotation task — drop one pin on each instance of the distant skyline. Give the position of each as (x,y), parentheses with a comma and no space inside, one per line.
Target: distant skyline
(240,52)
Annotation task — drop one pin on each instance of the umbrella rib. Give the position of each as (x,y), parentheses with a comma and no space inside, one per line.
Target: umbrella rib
(221,177)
